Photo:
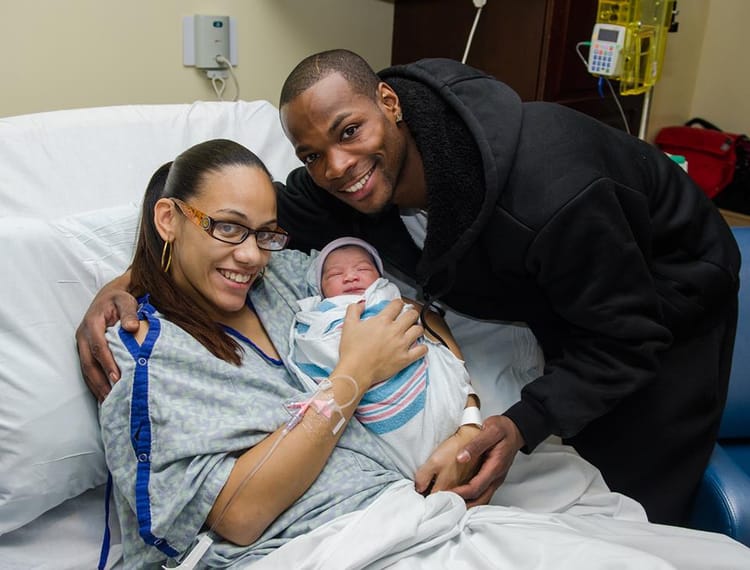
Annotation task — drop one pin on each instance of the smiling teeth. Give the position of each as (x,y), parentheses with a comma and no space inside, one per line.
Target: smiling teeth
(236,277)
(358,185)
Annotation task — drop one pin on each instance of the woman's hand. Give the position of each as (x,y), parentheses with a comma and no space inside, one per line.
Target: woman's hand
(111,304)
(442,471)
(376,348)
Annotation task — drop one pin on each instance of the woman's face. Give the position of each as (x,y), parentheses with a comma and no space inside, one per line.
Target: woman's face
(348,270)
(218,275)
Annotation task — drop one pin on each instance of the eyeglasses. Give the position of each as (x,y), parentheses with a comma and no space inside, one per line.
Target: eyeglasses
(230,232)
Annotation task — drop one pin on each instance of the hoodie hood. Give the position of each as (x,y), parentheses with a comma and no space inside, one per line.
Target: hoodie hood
(466,154)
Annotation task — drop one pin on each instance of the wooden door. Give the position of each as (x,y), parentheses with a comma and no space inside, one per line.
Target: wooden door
(528,44)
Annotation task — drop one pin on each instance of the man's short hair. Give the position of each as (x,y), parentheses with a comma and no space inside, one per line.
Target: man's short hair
(313,68)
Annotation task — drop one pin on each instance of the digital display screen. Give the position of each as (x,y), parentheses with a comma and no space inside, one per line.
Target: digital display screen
(606,35)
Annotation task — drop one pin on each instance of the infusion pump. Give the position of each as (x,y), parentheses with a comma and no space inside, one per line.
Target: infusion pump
(607,43)
(628,41)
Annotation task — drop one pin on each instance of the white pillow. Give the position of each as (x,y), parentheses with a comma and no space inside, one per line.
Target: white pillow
(120,147)
(50,448)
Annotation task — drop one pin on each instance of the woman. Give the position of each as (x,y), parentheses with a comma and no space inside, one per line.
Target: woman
(203,388)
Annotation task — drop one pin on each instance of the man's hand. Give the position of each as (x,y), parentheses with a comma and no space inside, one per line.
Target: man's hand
(97,364)
(498,442)
(442,471)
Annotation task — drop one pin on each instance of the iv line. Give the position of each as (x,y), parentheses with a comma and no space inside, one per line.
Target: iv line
(197,552)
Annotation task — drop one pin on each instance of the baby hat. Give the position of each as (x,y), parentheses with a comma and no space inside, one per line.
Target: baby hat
(341,242)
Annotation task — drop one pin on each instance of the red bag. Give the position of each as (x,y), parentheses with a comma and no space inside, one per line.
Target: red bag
(711,153)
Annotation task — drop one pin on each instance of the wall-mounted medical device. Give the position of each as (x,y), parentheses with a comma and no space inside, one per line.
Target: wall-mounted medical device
(210,44)
(628,41)
(206,38)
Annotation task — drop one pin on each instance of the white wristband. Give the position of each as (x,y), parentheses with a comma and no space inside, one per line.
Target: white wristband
(471,415)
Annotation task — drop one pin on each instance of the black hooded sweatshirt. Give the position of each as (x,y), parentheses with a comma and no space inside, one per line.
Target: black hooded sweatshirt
(540,214)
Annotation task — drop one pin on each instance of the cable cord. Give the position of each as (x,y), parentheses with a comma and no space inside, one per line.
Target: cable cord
(196,553)
(427,327)
(479,6)
(219,85)
(229,67)
(609,84)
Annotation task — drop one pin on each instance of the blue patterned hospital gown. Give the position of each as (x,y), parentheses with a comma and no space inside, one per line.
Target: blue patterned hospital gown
(176,421)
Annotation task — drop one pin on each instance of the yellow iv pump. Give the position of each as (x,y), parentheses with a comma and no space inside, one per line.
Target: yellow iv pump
(628,42)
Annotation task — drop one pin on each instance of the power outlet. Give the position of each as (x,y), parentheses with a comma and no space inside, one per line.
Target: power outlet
(205,37)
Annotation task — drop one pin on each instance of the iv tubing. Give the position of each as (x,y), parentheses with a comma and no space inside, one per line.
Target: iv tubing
(197,552)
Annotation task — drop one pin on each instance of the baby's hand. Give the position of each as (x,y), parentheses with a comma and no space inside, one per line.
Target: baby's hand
(442,471)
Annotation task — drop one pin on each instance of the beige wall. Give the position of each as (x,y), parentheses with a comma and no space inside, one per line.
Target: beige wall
(61,54)
(703,73)
(672,94)
(722,88)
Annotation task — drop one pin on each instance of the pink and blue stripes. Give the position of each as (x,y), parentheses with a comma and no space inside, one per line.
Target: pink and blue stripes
(391,404)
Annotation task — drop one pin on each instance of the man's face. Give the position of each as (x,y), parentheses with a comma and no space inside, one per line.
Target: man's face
(349,143)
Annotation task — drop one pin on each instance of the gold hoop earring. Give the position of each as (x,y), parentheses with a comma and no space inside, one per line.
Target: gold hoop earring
(166,256)
(399,116)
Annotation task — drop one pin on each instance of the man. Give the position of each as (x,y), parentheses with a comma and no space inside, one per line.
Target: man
(622,268)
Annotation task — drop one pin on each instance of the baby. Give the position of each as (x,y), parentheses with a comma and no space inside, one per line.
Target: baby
(413,411)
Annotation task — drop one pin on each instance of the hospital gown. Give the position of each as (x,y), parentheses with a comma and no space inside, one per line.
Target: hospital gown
(192,414)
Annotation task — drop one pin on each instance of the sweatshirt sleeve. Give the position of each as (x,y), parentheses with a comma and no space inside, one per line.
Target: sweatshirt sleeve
(596,276)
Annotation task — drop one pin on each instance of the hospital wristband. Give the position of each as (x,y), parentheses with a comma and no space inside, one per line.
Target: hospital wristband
(471,416)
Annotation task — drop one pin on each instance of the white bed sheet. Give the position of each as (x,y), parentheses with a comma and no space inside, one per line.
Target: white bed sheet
(62,163)
(438,532)
(67,537)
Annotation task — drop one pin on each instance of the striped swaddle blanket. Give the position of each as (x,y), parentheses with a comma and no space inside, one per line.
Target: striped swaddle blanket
(414,410)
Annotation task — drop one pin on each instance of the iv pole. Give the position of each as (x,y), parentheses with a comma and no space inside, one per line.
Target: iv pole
(645,114)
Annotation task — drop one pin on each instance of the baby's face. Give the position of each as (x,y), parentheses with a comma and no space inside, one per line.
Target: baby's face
(348,270)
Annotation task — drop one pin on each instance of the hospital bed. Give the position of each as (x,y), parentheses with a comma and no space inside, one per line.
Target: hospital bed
(70,186)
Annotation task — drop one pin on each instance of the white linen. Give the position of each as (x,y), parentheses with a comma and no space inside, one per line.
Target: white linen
(67,537)
(50,446)
(402,530)
(70,184)
(62,162)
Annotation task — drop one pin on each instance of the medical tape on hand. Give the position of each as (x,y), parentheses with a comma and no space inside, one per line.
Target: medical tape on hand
(324,404)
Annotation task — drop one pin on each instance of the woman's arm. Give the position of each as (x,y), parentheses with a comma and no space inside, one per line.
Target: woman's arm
(370,351)
(111,304)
